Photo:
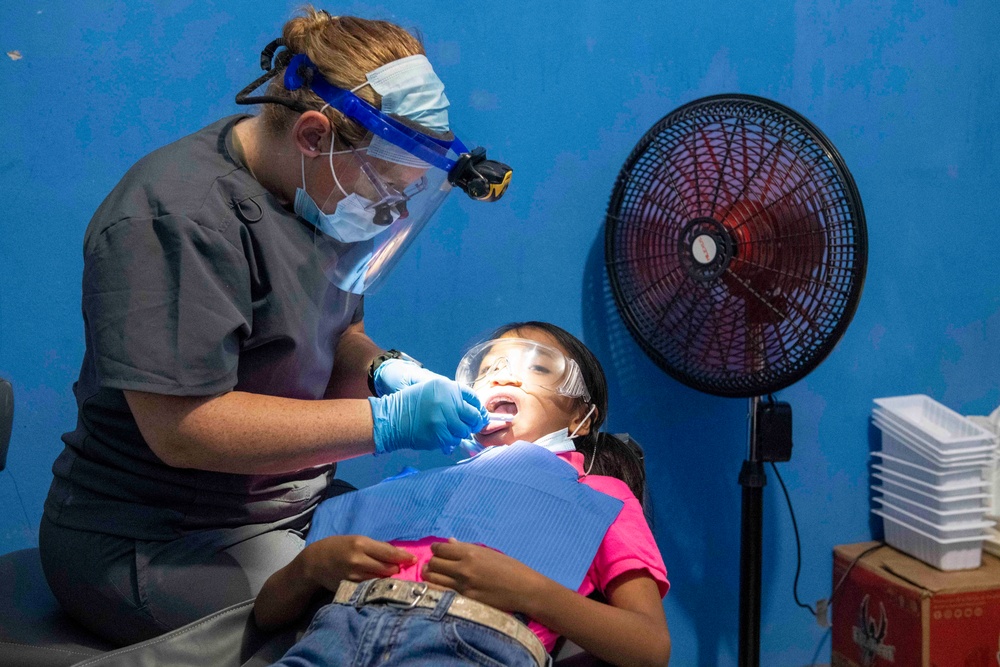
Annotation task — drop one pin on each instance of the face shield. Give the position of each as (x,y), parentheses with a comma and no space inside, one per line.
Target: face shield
(406,174)
(527,362)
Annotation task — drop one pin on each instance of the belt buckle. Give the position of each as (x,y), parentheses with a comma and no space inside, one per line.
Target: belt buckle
(417,593)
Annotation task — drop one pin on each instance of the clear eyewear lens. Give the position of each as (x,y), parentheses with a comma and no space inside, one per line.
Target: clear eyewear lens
(523,361)
(388,197)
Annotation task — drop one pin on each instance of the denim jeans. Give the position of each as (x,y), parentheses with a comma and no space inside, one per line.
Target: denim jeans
(388,636)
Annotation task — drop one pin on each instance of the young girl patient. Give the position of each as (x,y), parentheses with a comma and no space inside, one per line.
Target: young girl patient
(489,561)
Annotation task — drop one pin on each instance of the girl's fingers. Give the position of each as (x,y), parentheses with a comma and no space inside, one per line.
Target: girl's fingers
(385,552)
(376,566)
(439,579)
(443,567)
(451,550)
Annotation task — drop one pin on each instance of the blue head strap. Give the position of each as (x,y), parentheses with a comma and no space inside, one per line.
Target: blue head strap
(303,72)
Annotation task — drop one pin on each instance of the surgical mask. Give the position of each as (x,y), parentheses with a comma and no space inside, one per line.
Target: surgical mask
(353,219)
(409,88)
(562,440)
(557,442)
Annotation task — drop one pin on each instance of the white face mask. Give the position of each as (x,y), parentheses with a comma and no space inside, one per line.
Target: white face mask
(557,442)
(562,440)
(351,222)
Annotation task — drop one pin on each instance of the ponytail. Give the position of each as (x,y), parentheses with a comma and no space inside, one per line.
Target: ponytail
(617,456)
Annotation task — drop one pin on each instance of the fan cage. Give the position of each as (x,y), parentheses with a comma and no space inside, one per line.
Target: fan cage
(768,192)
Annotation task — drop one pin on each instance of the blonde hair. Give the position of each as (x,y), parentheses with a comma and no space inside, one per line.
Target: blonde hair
(344,48)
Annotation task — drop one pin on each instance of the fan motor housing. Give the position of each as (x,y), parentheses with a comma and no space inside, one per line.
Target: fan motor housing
(706,248)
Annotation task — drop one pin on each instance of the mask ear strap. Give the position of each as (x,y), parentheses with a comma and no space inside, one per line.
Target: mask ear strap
(593,457)
(330,154)
(583,421)
(333,172)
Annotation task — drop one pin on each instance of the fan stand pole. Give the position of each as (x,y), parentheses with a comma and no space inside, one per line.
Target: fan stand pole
(752,479)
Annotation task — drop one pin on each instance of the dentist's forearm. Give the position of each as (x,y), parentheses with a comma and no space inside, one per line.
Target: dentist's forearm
(354,354)
(244,433)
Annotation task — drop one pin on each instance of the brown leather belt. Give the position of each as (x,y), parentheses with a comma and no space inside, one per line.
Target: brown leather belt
(409,594)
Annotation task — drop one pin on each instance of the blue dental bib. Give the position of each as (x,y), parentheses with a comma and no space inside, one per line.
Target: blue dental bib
(521,500)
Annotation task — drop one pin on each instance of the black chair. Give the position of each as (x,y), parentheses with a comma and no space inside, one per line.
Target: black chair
(34,631)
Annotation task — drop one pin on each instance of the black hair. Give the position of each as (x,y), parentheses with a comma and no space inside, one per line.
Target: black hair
(614,457)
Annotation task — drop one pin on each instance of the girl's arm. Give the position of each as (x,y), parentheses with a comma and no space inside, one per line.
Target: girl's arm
(630,630)
(322,566)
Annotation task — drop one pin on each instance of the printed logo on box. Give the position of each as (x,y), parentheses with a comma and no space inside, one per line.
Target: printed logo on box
(871,636)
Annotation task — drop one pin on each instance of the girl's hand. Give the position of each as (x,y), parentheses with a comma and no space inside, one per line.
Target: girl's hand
(328,561)
(482,574)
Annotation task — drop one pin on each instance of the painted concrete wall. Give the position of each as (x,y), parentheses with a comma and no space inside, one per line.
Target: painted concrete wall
(908,91)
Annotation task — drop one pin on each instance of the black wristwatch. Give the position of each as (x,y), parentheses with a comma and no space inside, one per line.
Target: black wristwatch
(377,361)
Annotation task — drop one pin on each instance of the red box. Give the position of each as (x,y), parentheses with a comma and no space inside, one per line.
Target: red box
(895,610)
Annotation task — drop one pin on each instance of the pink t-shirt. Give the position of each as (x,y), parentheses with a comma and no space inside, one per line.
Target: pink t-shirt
(627,546)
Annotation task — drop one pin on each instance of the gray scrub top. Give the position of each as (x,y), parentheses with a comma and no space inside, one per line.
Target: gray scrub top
(196,281)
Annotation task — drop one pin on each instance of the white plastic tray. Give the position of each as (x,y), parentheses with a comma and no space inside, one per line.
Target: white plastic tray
(946,478)
(976,528)
(931,500)
(921,446)
(899,447)
(956,553)
(939,517)
(941,424)
(914,434)
(941,491)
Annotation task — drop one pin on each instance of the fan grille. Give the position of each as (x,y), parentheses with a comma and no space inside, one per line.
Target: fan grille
(736,245)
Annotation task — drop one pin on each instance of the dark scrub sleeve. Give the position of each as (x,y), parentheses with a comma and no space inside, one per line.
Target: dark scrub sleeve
(166,302)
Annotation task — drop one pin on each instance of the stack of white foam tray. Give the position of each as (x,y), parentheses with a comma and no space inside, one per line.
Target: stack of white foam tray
(992,423)
(933,479)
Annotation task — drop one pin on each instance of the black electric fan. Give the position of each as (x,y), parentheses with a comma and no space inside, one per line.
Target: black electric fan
(736,249)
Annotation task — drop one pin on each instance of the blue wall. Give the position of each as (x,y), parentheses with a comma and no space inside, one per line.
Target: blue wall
(908,91)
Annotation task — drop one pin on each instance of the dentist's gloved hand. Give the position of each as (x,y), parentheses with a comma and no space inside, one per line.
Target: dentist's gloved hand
(395,374)
(436,414)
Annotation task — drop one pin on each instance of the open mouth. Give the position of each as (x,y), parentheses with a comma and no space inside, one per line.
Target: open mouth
(501,405)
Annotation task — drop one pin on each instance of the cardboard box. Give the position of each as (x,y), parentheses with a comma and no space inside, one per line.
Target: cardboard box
(895,610)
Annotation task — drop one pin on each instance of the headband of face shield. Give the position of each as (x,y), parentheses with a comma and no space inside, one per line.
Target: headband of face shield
(409,90)
(528,362)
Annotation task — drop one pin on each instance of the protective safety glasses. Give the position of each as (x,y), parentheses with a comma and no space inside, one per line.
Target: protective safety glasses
(524,361)
(388,199)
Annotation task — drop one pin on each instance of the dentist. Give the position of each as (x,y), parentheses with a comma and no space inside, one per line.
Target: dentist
(227,368)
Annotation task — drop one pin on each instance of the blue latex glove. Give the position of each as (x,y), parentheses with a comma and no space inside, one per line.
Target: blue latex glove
(436,414)
(395,374)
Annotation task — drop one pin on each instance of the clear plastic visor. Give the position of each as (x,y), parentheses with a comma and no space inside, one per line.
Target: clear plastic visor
(524,361)
(398,199)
